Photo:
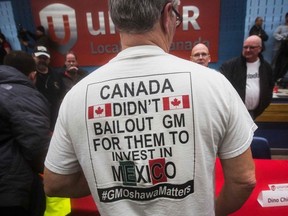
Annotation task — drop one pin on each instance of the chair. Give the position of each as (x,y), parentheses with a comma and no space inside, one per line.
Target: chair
(260,148)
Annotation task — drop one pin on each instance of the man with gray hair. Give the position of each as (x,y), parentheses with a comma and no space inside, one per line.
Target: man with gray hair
(142,133)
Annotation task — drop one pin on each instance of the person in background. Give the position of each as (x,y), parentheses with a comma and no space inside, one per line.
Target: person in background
(281,64)
(114,126)
(71,73)
(39,38)
(5,47)
(48,81)
(251,76)
(259,31)
(24,137)
(200,54)
(280,34)
(280,60)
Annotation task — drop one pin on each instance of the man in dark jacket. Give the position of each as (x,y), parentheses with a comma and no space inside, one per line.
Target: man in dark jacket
(259,31)
(251,76)
(48,82)
(39,38)
(24,137)
(71,72)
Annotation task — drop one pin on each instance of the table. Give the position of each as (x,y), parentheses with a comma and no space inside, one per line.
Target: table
(275,112)
(280,93)
(267,172)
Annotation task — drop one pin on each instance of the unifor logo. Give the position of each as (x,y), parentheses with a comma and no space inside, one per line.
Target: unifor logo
(60,20)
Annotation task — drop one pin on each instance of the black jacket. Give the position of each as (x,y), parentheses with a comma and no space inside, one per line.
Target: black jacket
(235,70)
(70,78)
(24,138)
(52,87)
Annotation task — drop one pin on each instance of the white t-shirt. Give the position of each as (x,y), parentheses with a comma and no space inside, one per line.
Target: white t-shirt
(252,95)
(146,129)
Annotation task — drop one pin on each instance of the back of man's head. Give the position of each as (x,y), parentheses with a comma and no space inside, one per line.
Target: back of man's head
(136,16)
(21,61)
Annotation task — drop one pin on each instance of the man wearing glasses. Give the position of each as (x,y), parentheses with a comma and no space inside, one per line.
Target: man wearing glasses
(251,76)
(142,133)
(200,54)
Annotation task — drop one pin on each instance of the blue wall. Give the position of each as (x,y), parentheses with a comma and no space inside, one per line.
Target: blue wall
(232,23)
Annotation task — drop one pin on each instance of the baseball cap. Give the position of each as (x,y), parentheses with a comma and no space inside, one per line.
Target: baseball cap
(41,50)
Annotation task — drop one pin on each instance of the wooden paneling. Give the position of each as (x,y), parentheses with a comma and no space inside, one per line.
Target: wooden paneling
(275,112)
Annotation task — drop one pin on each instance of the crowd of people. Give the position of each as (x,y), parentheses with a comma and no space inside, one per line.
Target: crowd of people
(250,74)
(56,116)
(31,94)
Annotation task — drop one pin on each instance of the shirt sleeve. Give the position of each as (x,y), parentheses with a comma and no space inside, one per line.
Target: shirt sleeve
(239,129)
(61,157)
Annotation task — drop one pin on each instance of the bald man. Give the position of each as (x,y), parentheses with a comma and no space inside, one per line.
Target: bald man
(200,54)
(251,76)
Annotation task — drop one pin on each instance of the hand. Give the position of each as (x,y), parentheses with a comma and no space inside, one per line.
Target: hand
(73,70)
(24,43)
(285,36)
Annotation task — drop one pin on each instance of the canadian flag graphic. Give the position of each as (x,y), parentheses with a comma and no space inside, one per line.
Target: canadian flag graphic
(176,102)
(102,110)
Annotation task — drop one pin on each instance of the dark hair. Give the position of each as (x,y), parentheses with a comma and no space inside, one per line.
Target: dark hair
(286,15)
(258,18)
(20,60)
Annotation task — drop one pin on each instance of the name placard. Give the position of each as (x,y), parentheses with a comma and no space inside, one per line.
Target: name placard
(276,196)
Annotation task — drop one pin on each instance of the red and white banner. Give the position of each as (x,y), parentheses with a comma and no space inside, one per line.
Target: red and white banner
(86,28)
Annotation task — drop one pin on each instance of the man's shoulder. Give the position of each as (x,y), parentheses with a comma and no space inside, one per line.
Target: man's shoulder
(232,62)
(280,28)
(254,27)
(26,96)
(10,75)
